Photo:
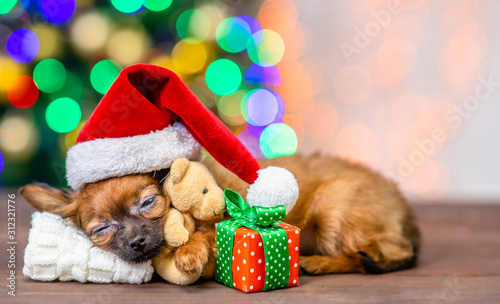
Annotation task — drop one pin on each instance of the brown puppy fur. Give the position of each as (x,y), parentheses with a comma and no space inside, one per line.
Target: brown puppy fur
(117,212)
(124,215)
(352,219)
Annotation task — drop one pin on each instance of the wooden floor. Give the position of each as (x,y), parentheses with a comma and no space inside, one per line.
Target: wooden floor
(459,263)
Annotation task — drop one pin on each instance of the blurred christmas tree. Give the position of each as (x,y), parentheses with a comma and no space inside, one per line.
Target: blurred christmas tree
(58,58)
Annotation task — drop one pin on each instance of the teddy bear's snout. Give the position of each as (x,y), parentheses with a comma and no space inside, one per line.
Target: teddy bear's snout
(215,201)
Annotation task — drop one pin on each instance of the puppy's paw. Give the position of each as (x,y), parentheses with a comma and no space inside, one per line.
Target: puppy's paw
(308,265)
(191,259)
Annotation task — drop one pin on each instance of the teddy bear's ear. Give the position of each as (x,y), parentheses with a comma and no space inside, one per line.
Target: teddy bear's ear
(178,169)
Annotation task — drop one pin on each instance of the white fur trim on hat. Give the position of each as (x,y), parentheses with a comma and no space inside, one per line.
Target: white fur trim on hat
(274,186)
(99,159)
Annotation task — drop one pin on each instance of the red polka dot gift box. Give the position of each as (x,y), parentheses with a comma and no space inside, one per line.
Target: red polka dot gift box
(255,251)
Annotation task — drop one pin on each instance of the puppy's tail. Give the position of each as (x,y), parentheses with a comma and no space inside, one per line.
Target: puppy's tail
(383,266)
(386,264)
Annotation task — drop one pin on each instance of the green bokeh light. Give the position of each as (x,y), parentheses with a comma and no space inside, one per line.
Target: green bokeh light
(49,75)
(103,75)
(278,140)
(223,77)
(157,5)
(127,6)
(193,26)
(233,35)
(266,48)
(63,115)
(6,6)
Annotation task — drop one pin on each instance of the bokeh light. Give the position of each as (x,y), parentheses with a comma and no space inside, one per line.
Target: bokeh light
(259,75)
(223,77)
(5,7)
(157,5)
(371,106)
(229,108)
(262,107)
(460,57)
(126,46)
(392,62)
(1,162)
(296,88)
(278,140)
(31,5)
(252,23)
(323,122)
(49,75)
(9,70)
(90,31)
(193,26)
(57,11)
(19,138)
(266,48)
(352,84)
(103,74)
(279,16)
(357,143)
(51,41)
(22,45)
(63,115)
(127,6)
(189,58)
(407,108)
(23,92)
(69,139)
(406,26)
(254,129)
(233,34)
(423,175)
(257,130)
(251,143)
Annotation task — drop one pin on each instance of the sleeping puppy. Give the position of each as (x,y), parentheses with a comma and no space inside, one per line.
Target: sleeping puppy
(124,215)
(352,219)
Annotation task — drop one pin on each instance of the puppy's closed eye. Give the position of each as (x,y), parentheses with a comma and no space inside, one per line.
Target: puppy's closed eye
(101,230)
(148,202)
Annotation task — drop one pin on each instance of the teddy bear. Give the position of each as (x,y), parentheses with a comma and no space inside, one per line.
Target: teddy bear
(197,202)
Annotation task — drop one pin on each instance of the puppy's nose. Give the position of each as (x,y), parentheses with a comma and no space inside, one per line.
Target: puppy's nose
(137,243)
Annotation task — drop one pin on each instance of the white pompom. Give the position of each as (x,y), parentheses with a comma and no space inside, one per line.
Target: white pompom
(274,186)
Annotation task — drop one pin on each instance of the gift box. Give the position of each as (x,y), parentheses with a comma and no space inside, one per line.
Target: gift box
(255,251)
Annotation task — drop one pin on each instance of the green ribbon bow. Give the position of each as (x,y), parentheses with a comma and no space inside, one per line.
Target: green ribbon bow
(240,210)
(264,221)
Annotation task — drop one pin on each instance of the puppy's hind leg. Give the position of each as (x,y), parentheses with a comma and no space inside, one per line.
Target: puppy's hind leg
(320,264)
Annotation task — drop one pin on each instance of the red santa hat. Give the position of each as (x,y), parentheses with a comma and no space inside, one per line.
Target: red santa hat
(148,119)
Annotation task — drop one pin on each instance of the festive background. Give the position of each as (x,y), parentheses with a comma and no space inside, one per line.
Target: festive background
(409,87)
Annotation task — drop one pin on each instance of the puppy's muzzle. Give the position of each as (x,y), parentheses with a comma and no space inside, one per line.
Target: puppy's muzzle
(137,243)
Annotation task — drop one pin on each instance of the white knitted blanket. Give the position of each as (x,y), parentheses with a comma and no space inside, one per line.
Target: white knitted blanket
(58,251)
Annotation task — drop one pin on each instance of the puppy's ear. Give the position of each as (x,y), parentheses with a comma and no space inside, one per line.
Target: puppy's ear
(178,169)
(45,198)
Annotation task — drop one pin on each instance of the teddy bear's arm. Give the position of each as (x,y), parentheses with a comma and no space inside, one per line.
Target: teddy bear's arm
(176,234)
(189,222)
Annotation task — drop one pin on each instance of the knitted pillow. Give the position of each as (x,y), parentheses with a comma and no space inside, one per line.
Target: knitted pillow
(58,251)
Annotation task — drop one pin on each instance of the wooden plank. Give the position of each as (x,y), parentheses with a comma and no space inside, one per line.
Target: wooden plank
(459,263)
